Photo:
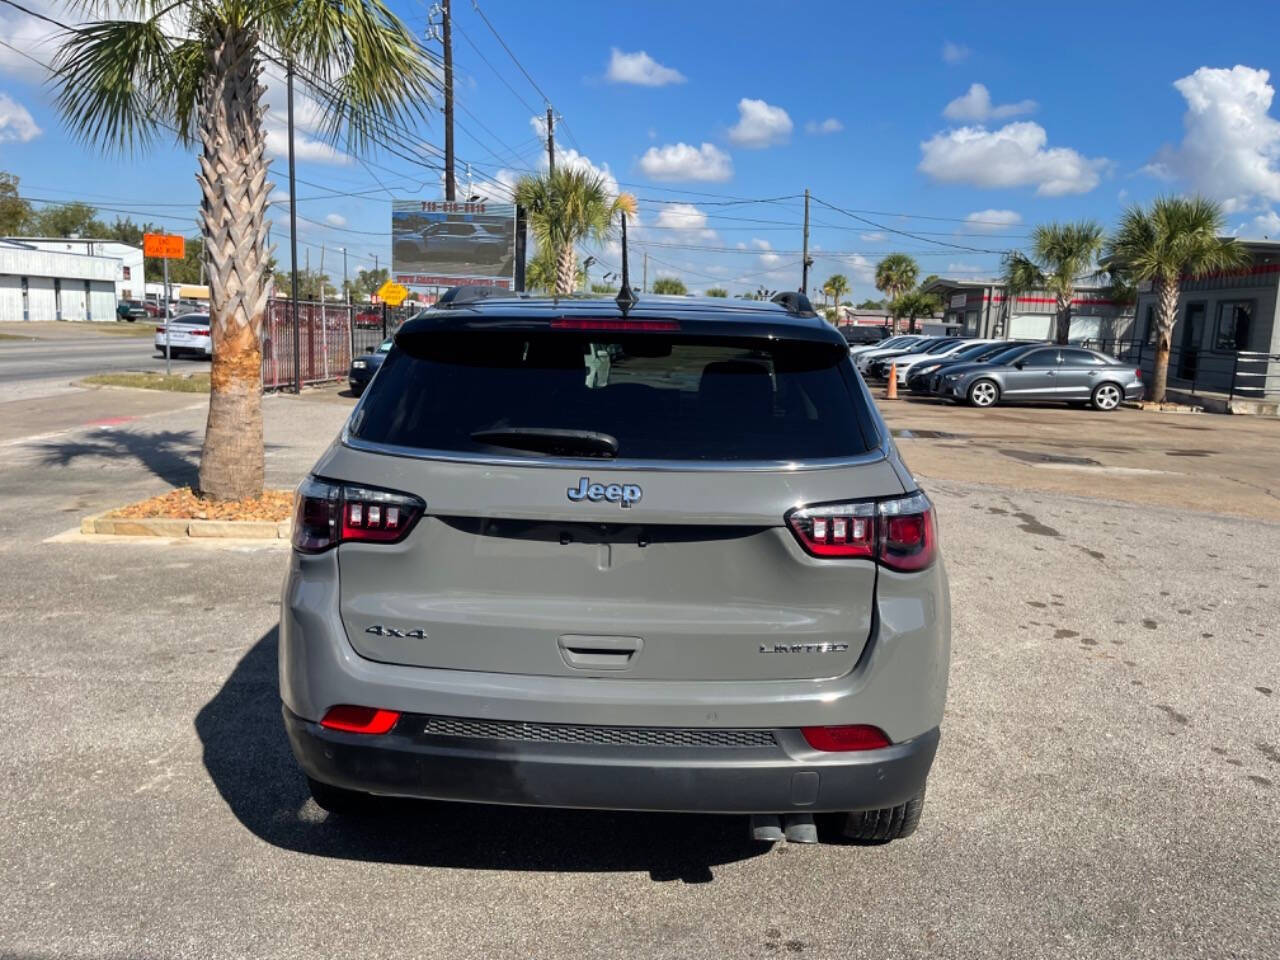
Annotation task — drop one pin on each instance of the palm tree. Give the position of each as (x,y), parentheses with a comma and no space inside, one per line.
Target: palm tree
(895,275)
(1177,239)
(837,286)
(565,208)
(913,304)
(541,272)
(1061,253)
(193,68)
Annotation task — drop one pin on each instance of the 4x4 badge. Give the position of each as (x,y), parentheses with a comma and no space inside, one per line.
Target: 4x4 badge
(378,630)
(623,494)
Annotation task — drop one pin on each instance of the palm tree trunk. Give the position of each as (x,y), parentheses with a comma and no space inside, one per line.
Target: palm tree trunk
(1167,293)
(566,270)
(233,181)
(1062,332)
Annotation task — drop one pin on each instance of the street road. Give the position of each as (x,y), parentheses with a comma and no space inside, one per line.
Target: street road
(1107,784)
(44,367)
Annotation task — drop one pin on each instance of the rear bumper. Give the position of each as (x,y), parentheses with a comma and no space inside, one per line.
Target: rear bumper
(786,776)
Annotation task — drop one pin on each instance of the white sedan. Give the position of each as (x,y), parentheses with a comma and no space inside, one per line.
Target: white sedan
(187,334)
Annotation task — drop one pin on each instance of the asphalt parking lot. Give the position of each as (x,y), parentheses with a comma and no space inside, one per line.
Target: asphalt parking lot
(1108,783)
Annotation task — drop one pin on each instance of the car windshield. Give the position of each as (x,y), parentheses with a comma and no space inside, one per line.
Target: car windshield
(650,397)
(385,346)
(193,318)
(941,345)
(1012,352)
(974,352)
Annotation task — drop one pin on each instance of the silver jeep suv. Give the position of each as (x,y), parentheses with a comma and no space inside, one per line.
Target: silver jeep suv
(663,557)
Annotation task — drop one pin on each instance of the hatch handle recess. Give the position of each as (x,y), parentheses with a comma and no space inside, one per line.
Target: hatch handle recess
(590,652)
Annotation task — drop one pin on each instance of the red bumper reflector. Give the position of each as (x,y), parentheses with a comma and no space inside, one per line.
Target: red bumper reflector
(858,736)
(359,719)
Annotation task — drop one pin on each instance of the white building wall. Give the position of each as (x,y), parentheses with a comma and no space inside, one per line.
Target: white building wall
(41,304)
(102,301)
(10,299)
(74,301)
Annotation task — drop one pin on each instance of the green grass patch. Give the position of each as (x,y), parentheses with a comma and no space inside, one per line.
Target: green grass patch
(139,328)
(174,383)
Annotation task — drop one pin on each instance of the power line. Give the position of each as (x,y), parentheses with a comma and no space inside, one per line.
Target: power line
(475,6)
(471,42)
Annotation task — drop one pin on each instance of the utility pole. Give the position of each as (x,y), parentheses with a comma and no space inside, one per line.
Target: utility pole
(644,280)
(345,286)
(551,142)
(293,243)
(805,262)
(447,37)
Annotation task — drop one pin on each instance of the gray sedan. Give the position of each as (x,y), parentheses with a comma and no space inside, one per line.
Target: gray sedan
(1067,374)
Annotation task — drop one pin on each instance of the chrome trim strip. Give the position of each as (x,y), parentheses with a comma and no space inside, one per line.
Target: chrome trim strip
(579,463)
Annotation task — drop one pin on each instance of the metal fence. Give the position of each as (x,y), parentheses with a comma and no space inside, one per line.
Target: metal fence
(324,339)
(1239,373)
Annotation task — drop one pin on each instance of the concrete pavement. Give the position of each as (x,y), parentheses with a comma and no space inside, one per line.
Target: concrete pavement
(41,368)
(1107,786)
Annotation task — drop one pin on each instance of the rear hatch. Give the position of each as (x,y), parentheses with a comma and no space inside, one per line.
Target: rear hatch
(609,503)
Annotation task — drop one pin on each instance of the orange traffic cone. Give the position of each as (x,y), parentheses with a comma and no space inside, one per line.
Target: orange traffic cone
(891,391)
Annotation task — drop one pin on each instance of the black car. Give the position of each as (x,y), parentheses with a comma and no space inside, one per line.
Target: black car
(364,367)
(922,374)
(857,336)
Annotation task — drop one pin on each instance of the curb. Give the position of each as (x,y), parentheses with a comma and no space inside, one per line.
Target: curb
(171,527)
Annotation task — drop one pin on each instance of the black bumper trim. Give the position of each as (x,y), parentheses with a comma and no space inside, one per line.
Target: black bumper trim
(676,779)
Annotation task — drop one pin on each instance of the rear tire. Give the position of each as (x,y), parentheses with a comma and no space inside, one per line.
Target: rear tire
(984,393)
(1106,397)
(889,823)
(339,801)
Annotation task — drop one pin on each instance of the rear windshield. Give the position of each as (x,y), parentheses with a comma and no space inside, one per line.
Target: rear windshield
(649,397)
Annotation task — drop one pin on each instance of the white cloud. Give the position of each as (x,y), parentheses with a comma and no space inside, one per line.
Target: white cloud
(873,237)
(861,270)
(1230,148)
(572,159)
(989,221)
(955,52)
(976,105)
(335,220)
(305,149)
(829,125)
(36,38)
(681,161)
(685,217)
(767,257)
(1264,225)
(16,122)
(1015,155)
(641,69)
(760,124)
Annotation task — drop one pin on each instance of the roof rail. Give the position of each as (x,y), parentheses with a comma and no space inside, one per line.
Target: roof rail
(458,296)
(796,304)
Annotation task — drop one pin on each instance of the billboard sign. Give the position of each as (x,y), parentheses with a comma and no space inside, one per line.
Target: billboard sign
(163,246)
(452,243)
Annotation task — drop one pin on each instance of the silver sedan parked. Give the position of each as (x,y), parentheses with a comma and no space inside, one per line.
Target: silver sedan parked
(1066,374)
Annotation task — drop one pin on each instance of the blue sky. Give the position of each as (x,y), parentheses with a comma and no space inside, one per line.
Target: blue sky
(705,105)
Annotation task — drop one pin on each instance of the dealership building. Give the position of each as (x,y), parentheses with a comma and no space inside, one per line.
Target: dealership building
(981,308)
(51,284)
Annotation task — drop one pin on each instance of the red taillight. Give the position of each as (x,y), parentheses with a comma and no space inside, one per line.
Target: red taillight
(200,333)
(840,530)
(858,736)
(617,326)
(326,514)
(159,329)
(898,533)
(1137,374)
(351,719)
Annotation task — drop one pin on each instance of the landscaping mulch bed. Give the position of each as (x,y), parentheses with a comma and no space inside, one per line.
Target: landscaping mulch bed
(185,504)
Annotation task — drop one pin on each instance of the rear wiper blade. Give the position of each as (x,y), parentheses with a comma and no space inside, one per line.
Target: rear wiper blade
(564,443)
